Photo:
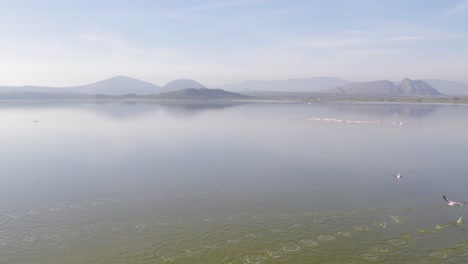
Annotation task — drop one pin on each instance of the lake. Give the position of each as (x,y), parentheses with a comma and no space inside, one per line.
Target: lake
(232,183)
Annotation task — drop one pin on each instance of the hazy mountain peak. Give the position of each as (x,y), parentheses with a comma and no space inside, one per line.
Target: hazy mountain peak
(417,87)
(200,93)
(406,87)
(182,84)
(120,79)
(118,85)
(380,87)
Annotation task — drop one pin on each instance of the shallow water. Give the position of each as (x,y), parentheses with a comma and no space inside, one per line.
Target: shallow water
(248,183)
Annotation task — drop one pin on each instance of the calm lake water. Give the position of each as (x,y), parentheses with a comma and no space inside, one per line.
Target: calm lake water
(249,183)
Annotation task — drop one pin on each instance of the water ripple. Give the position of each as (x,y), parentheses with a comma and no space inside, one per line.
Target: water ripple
(326,238)
(381,248)
(371,256)
(398,242)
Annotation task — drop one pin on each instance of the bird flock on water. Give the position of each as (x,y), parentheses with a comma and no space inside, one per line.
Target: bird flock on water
(358,122)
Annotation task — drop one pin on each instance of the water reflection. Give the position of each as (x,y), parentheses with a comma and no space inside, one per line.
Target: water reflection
(249,183)
(386,110)
(120,110)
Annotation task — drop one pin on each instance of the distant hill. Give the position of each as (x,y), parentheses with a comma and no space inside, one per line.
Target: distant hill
(370,88)
(121,85)
(315,84)
(417,87)
(200,94)
(448,87)
(181,84)
(117,85)
(406,87)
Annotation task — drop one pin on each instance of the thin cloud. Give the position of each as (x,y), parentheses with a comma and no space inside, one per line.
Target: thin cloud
(353,32)
(459,8)
(289,10)
(405,38)
(215,5)
(324,43)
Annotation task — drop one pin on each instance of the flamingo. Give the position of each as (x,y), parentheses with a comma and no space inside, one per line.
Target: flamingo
(452,203)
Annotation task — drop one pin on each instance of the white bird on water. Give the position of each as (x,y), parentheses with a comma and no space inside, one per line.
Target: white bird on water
(452,203)
(397,176)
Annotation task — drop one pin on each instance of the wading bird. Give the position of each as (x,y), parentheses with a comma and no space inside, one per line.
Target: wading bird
(452,203)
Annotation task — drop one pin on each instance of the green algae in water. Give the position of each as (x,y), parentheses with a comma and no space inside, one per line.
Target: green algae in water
(221,243)
(462,244)
(455,251)
(326,238)
(266,239)
(344,233)
(447,253)
(362,228)
(254,259)
(353,261)
(441,226)
(289,248)
(274,254)
(426,231)
(397,242)
(381,224)
(407,236)
(371,256)
(309,243)
(430,260)
(381,248)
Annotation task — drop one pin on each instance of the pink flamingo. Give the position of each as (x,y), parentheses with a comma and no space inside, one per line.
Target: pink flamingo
(452,203)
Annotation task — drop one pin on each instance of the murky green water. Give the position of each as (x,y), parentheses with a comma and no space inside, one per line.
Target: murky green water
(254,183)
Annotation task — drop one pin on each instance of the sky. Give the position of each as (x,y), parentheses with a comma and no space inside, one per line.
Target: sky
(73,42)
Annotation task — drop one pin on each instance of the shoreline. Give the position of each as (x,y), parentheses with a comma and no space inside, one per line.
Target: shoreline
(456,100)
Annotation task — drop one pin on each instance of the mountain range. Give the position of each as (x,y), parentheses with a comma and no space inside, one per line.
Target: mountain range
(125,85)
(448,87)
(117,85)
(199,94)
(181,84)
(330,84)
(406,87)
(315,84)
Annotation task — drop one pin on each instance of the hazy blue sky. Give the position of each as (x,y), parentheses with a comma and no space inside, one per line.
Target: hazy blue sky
(62,42)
